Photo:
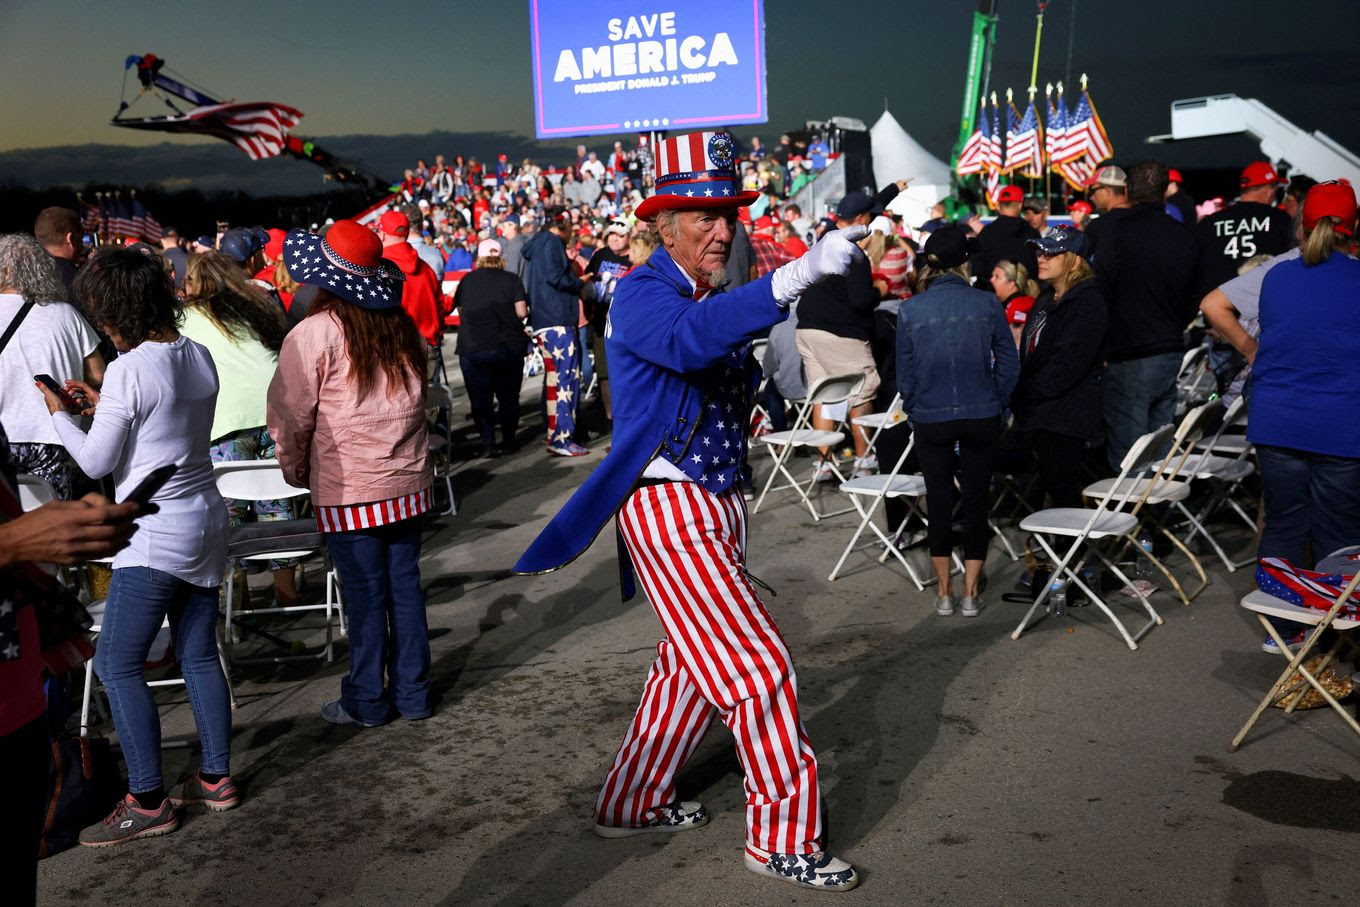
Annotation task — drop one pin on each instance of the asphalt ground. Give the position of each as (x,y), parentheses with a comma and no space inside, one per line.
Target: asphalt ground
(958,765)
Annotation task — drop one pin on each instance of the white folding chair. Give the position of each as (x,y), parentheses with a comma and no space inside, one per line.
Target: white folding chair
(34,491)
(1226,474)
(1168,485)
(829,391)
(1266,606)
(262,480)
(876,422)
(878,488)
(1194,381)
(441,444)
(759,414)
(1088,526)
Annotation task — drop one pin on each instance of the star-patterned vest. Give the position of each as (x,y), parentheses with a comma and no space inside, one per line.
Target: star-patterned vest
(715,451)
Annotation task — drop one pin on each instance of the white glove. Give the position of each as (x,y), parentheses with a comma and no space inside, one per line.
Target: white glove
(832,256)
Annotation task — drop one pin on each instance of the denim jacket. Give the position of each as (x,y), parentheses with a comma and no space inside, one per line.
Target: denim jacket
(956,356)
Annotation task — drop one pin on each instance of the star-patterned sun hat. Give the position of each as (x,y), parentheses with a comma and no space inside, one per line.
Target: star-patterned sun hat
(348,262)
(696,171)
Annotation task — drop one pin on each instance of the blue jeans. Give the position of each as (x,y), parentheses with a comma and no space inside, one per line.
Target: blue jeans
(380,571)
(587,364)
(1308,496)
(1139,397)
(139,600)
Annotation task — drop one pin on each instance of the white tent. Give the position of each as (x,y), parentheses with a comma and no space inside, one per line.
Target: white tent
(898,156)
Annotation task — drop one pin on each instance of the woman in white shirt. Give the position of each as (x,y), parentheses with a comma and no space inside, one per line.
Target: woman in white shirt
(155,408)
(242,329)
(53,339)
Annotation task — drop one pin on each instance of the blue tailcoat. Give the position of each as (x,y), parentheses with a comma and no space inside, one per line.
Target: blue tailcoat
(662,347)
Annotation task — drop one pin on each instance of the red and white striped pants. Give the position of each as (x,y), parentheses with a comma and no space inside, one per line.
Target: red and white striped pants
(722,655)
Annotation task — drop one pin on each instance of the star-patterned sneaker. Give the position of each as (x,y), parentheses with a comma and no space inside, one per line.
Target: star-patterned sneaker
(811,870)
(570,449)
(680,816)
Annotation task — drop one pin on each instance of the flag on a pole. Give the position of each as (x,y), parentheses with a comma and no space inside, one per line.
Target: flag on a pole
(1023,141)
(972,157)
(145,226)
(120,220)
(259,128)
(1085,134)
(89,216)
(995,154)
(1057,123)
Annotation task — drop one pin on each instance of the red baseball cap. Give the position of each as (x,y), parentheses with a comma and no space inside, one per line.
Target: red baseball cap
(1009,194)
(394,223)
(1260,173)
(1331,199)
(1174,175)
(274,248)
(767,222)
(1083,206)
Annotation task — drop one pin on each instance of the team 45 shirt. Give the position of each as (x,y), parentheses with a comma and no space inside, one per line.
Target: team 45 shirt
(1238,233)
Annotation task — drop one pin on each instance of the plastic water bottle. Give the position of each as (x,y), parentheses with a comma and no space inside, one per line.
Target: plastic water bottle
(1057,597)
(1143,568)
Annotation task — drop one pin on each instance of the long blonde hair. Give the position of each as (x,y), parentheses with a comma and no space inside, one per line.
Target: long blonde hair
(1323,240)
(1075,270)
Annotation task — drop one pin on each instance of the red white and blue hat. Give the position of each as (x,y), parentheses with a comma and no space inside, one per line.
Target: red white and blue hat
(696,171)
(348,262)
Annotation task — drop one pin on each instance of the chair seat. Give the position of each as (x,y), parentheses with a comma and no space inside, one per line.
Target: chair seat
(1131,489)
(1208,466)
(879,420)
(274,538)
(803,437)
(889,486)
(1072,520)
(1227,444)
(1265,603)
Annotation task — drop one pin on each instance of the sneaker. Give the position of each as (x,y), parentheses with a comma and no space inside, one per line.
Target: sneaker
(570,449)
(813,870)
(1294,642)
(944,605)
(335,713)
(128,821)
(217,797)
(823,471)
(971,605)
(680,816)
(865,466)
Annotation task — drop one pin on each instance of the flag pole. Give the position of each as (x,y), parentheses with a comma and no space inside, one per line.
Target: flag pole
(1034,87)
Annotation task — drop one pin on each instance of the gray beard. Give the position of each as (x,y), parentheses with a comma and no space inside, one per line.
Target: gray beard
(714,278)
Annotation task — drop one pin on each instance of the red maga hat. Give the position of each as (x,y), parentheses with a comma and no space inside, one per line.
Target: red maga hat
(1009,194)
(394,223)
(1260,173)
(1331,199)
(694,171)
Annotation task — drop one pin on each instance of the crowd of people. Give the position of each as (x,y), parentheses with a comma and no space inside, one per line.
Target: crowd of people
(1004,341)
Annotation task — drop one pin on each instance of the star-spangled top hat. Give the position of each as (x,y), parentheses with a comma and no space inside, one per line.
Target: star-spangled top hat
(348,262)
(693,171)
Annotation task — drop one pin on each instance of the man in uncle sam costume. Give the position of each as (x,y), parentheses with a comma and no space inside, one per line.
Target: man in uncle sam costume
(680,359)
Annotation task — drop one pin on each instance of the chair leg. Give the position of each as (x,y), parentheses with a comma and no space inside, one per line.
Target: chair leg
(859,530)
(778,457)
(85,699)
(226,673)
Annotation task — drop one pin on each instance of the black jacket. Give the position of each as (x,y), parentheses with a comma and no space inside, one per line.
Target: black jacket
(1059,386)
(844,306)
(1004,239)
(1148,265)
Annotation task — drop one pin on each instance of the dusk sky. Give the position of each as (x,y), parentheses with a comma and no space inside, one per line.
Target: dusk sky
(402,67)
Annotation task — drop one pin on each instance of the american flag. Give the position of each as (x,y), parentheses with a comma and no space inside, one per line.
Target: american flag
(259,128)
(89,216)
(120,222)
(995,154)
(1085,135)
(974,150)
(147,227)
(1306,588)
(1023,141)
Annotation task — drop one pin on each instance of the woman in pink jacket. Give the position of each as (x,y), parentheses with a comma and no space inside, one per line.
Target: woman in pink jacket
(347,411)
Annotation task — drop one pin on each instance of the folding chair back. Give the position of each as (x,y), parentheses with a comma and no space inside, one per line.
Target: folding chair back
(828,391)
(441,443)
(262,480)
(34,491)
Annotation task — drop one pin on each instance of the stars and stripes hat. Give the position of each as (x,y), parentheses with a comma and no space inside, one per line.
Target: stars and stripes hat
(693,171)
(348,262)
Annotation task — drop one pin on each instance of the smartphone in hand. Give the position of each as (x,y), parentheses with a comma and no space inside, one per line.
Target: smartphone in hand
(146,489)
(71,403)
